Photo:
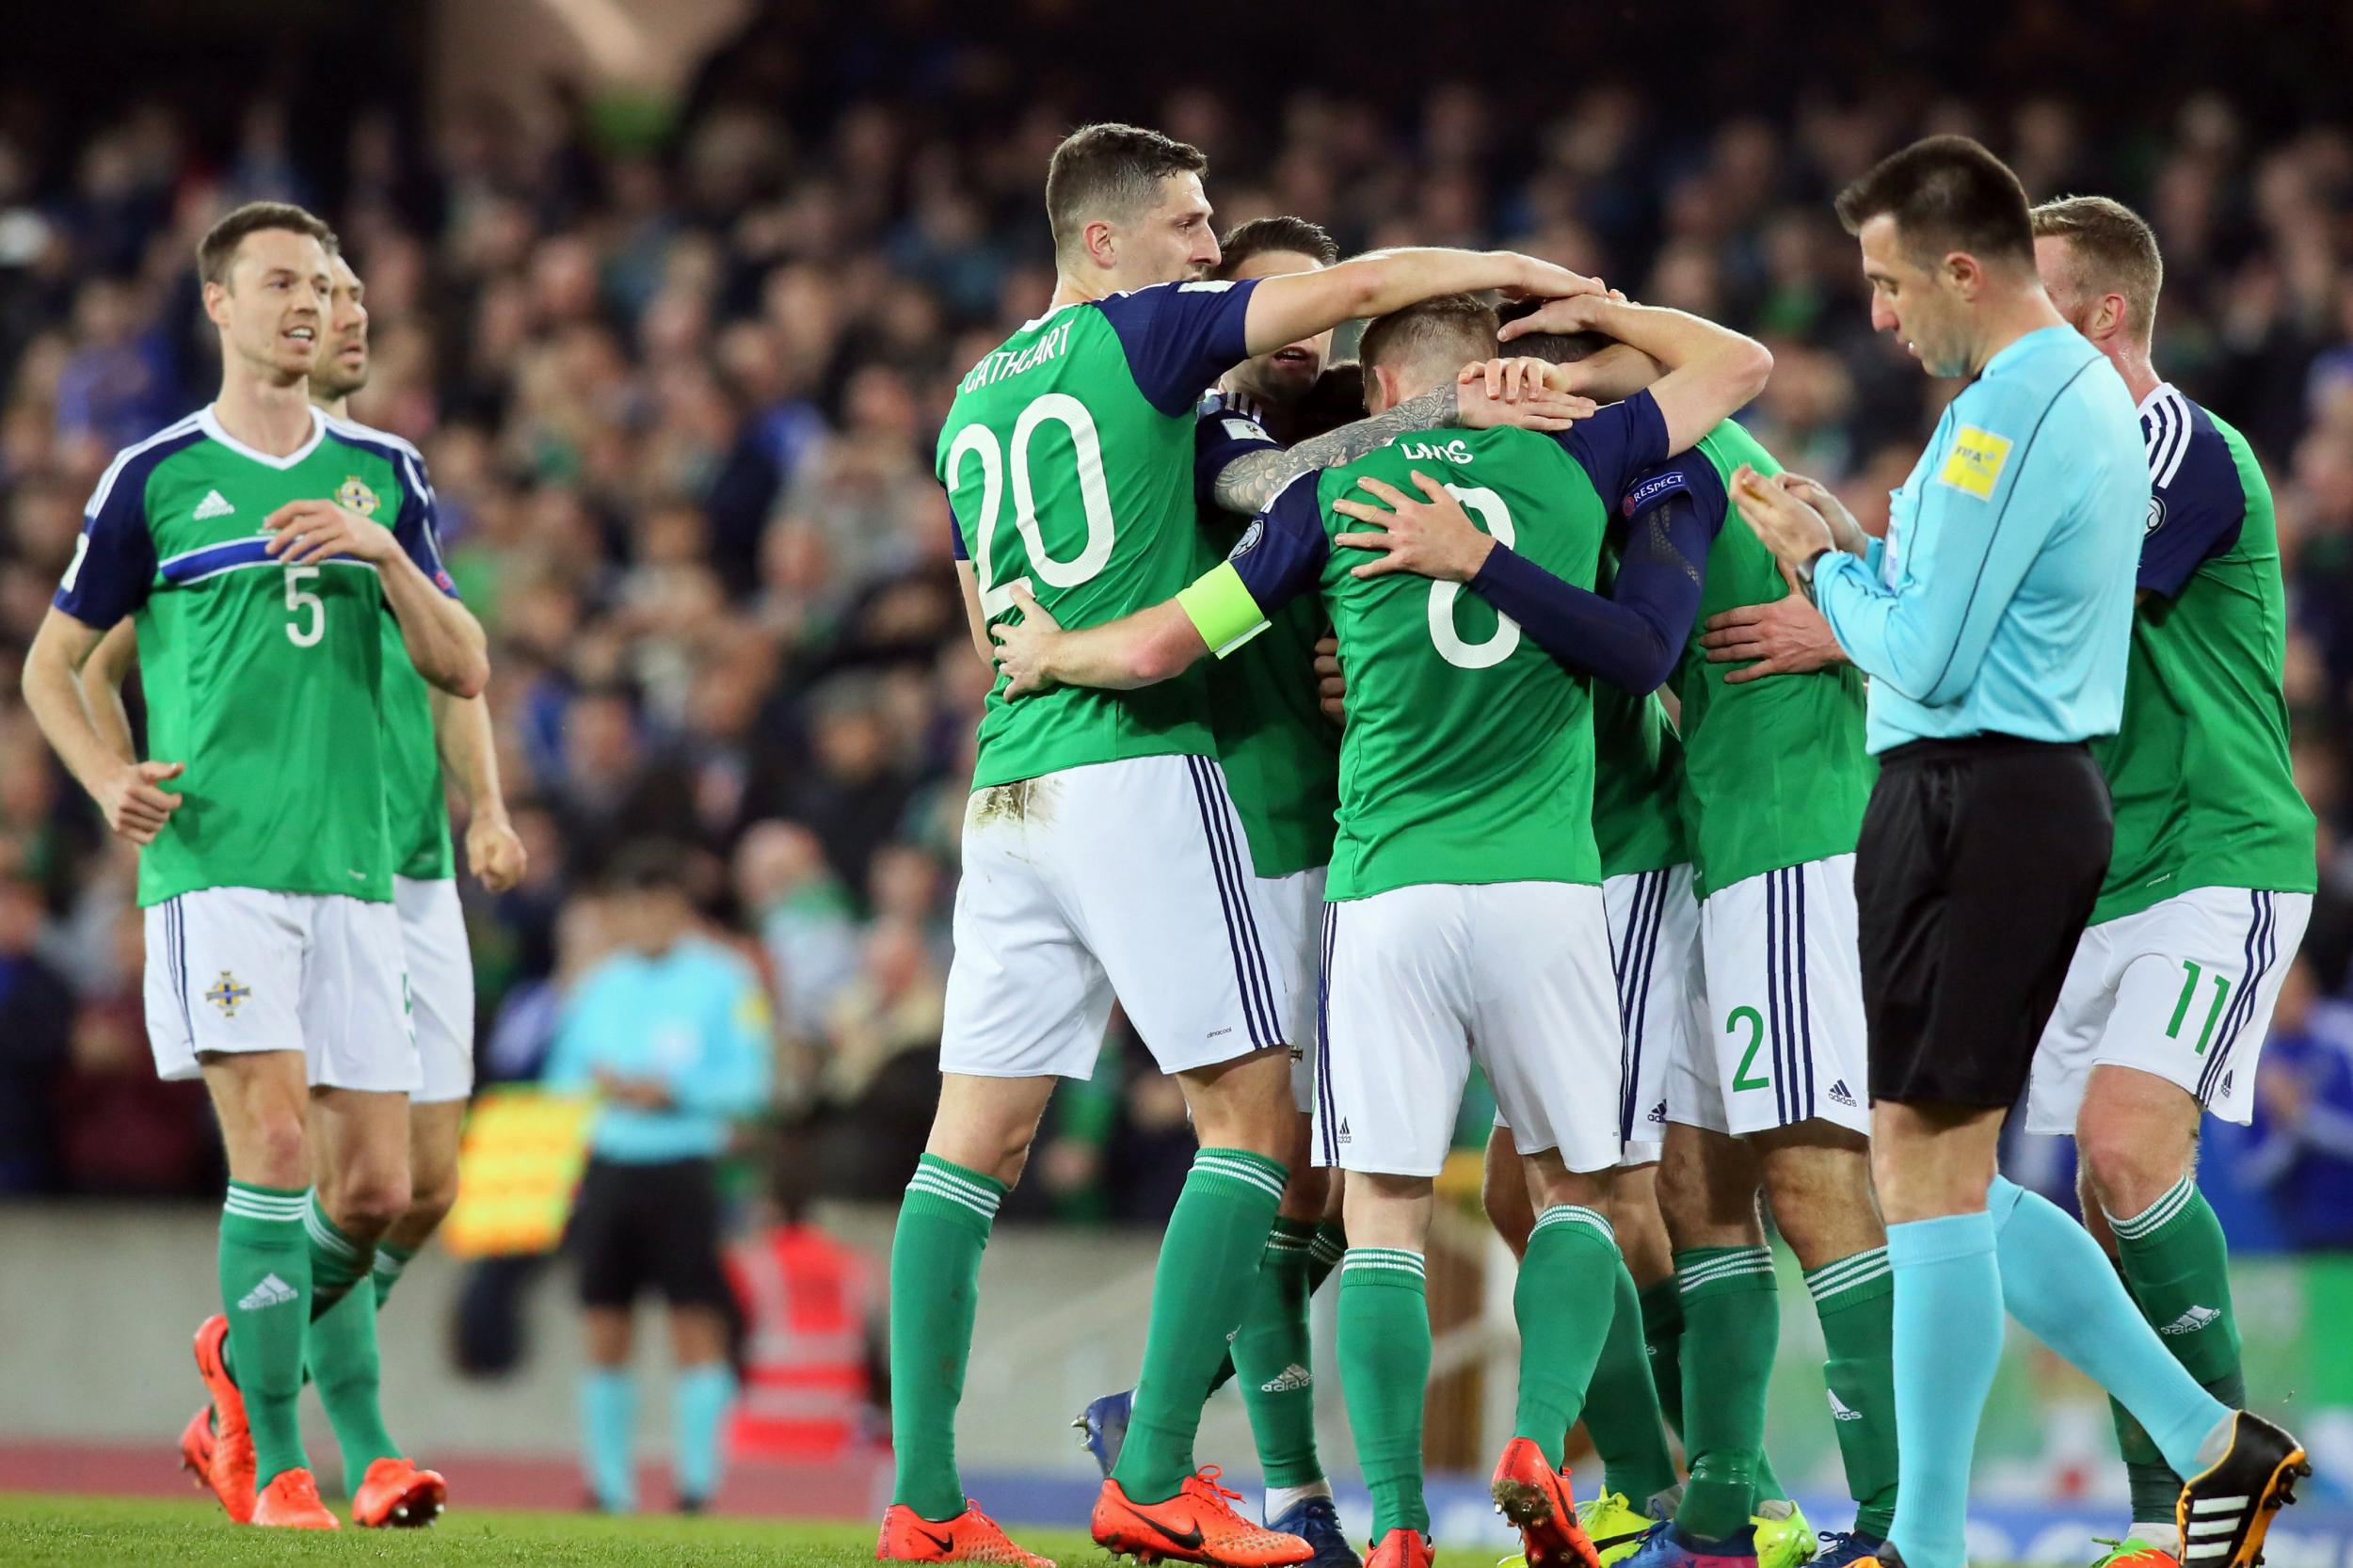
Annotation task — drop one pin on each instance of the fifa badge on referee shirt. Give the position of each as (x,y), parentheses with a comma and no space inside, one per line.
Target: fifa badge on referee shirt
(356,497)
(1975,464)
(226,993)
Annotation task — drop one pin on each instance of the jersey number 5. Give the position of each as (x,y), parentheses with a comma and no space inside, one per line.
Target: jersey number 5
(308,633)
(1496,516)
(1094,499)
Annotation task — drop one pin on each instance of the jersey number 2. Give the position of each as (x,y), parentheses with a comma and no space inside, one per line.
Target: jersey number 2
(1489,509)
(306,632)
(1095,497)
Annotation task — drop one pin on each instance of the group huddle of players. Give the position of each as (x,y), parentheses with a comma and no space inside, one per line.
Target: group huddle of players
(1487,769)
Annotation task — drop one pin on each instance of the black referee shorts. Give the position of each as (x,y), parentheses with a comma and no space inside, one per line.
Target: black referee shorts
(653,1226)
(1978,863)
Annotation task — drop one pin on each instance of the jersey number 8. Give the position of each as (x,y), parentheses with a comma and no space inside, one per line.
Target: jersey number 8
(1095,496)
(1489,509)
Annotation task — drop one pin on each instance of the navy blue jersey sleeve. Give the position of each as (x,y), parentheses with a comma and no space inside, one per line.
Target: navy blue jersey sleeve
(1180,337)
(114,560)
(418,528)
(1280,554)
(2194,519)
(1633,638)
(1618,442)
(1222,433)
(955,535)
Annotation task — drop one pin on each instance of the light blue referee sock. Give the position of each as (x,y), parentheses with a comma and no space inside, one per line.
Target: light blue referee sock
(1948,1344)
(608,1438)
(699,1405)
(2062,1288)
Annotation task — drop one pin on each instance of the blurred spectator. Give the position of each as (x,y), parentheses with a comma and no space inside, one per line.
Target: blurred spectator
(121,1130)
(36,1042)
(2304,1156)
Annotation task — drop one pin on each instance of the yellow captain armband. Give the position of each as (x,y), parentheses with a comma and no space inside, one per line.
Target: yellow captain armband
(1221,609)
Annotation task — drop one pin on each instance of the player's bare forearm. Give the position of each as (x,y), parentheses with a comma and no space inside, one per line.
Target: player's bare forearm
(1142,649)
(53,691)
(1711,372)
(103,676)
(1249,484)
(461,732)
(1615,373)
(443,640)
(1297,305)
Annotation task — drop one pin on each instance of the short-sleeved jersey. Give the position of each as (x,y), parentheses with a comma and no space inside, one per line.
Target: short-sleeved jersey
(2198,769)
(1468,753)
(1638,775)
(1774,771)
(416,806)
(1281,755)
(1068,458)
(263,679)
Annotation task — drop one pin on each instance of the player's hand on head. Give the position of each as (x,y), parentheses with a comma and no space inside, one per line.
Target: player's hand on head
(1576,314)
(1429,534)
(134,802)
(1516,392)
(309,530)
(1787,637)
(1023,646)
(495,851)
(1331,687)
(1543,279)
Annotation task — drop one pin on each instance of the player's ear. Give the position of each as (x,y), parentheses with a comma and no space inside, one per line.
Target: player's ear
(216,303)
(1101,242)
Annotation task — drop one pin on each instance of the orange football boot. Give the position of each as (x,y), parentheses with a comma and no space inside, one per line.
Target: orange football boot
(1194,1525)
(228,1466)
(1536,1499)
(196,1447)
(291,1501)
(1401,1548)
(396,1494)
(969,1537)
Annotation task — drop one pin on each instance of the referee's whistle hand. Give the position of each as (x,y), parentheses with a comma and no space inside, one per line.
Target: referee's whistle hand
(1792,530)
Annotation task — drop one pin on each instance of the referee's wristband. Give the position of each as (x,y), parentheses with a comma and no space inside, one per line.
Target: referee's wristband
(1805,574)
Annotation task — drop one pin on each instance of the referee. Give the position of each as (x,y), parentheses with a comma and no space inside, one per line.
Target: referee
(671,1032)
(1992,622)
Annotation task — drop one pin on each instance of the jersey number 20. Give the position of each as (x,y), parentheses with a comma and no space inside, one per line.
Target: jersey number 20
(1489,509)
(1095,497)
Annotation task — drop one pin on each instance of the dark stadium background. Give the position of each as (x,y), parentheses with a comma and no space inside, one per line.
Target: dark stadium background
(677,355)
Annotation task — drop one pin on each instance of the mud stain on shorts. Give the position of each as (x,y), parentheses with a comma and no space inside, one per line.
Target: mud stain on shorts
(1027,800)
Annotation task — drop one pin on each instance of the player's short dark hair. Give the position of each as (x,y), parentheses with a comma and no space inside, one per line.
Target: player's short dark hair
(2113,249)
(1462,324)
(219,247)
(1263,237)
(1945,194)
(1110,170)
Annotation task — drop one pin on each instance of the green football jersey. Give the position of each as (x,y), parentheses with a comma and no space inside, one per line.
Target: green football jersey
(1068,458)
(1637,778)
(1468,753)
(2199,767)
(1281,755)
(416,809)
(1774,773)
(263,679)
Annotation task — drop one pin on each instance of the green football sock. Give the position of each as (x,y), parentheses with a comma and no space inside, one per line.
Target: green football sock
(266,1289)
(1200,1290)
(337,1261)
(1662,1336)
(1385,1371)
(1730,1328)
(390,1262)
(1855,1299)
(1563,1301)
(2176,1265)
(944,1223)
(1325,1253)
(1621,1405)
(345,1368)
(1272,1352)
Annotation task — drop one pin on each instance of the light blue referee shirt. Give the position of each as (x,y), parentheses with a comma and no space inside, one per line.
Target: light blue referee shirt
(2001,600)
(694,1018)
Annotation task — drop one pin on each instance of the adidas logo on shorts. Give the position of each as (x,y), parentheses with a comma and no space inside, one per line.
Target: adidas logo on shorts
(1839,1091)
(1289,1380)
(1344,1129)
(1657,1116)
(2190,1321)
(272,1291)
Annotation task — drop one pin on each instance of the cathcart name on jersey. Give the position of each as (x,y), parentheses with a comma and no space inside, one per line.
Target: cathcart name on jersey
(1455,451)
(1001,364)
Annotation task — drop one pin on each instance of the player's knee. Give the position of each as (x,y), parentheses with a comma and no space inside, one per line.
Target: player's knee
(368,1202)
(431,1195)
(2129,1166)
(276,1148)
